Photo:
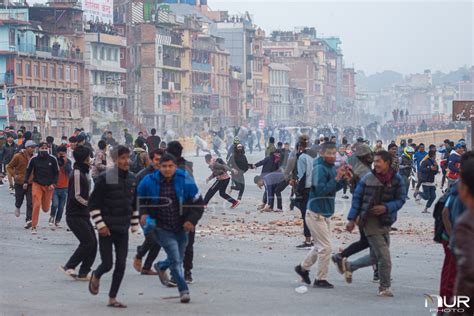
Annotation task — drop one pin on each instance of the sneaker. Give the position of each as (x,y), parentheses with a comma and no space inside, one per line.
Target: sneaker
(188,277)
(51,221)
(260,207)
(137,264)
(164,279)
(58,225)
(184,298)
(376,278)
(303,274)
(323,284)
(27,225)
(305,246)
(385,292)
(278,210)
(34,231)
(337,259)
(235,204)
(417,196)
(172,283)
(425,211)
(347,272)
(17,212)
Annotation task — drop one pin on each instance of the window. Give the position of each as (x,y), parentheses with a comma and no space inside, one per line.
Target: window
(52,101)
(74,103)
(11,37)
(115,54)
(68,73)
(94,51)
(28,69)
(19,69)
(36,70)
(68,103)
(60,102)
(52,73)
(109,53)
(19,100)
(102,53)
(44,72)
(60,72)
(75,73)
(44,102)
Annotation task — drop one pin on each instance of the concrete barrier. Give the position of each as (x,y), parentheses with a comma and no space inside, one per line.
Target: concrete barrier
(434,137)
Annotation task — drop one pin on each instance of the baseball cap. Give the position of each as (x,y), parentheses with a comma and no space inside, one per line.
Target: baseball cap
(459,145)
(30,143)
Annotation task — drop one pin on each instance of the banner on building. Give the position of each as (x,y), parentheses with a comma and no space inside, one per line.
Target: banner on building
(98,10)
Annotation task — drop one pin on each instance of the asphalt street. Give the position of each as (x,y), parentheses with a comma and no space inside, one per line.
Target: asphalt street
(237,271)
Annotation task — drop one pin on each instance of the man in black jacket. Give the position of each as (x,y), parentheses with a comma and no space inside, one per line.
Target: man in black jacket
(45,170)
(150,245)
(238,161)
(428,170)
(6,153)
(111,208)
(153,141)
(78,218)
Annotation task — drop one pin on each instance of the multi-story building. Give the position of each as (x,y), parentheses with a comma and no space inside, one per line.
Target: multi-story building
(104,98)
(44,68)
(279,88)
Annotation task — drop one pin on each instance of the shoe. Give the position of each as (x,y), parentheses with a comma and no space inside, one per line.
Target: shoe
(235,204)
(51,221)
(1,183)
(149,272)
(58,225)
(164,279)
(305,246)
(337,259)
(27,225)
(260,207)
(188,277)
(385,292)
(347,272)
(417,196)
(303,274)
(68,272)
(17,212)
(376,278)
(172,283)
(323,284)
(345,197)
(394,229)
(34,231)
(137,264)
(292,204)
(185,298)
(83,277)
(278,210)
(425,211)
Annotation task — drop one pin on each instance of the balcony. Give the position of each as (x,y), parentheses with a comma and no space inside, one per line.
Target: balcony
(50,51)
(201,66)
(170,62)
(172,86)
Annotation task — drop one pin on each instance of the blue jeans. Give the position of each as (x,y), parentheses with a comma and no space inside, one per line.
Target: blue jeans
(57,207)
(174,243)
(428,194)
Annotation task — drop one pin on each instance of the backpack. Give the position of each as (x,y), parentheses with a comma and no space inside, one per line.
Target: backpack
(438,217)
(136,163)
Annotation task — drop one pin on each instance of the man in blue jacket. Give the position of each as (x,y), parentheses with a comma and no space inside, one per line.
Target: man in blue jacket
(326,181)
(174,206)
(375,203)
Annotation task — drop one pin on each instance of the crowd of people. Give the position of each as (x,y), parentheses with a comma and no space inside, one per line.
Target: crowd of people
(145,181)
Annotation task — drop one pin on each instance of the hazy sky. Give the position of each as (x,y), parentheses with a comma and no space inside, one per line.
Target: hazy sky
(404,36)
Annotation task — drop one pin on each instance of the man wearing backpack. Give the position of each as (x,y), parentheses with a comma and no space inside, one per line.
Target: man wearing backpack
(139,159)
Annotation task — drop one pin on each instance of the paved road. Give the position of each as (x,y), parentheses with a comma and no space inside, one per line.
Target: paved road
(237,271)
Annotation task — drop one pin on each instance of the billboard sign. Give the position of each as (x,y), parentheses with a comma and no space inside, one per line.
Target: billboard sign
(98,10)
(463,110)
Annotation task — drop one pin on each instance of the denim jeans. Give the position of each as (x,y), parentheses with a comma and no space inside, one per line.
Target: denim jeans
(428,194)
(174,243)
(57,207)
(380,255)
